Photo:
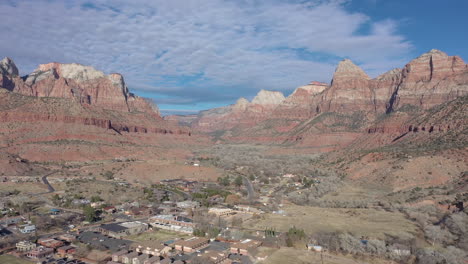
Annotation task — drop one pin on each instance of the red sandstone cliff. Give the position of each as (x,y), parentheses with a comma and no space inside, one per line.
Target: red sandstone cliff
(74,112)
(349,106)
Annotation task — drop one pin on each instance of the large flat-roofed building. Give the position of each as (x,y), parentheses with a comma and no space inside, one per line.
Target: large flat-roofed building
(118,230)
(171,222)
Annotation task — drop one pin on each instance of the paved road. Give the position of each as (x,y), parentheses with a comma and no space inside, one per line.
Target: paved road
(46,182)
(250,189)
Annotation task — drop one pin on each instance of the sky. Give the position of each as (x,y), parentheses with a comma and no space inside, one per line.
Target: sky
(191,55)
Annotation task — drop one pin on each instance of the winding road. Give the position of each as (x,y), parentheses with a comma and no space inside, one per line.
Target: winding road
(46,182)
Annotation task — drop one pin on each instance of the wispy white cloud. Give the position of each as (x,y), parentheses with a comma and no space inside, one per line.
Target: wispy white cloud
(200,49)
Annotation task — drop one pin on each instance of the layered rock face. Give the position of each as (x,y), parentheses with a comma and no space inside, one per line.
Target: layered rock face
(83,84)
(302,103)
(349,89)
(86,88)
(429,80)
(351,103)
(71,112)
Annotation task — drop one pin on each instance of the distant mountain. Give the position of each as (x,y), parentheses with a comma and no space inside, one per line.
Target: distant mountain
(328,117)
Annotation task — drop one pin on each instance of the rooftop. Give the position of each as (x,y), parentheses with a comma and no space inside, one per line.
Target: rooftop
(114,227)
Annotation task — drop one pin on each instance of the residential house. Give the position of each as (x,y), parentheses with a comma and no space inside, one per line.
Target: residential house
(24,246)
(40,252)
(13,220)
(109,209)
(26,229)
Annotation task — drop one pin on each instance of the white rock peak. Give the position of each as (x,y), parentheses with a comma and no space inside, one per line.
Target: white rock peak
(241,103)
(347,69)
(268,98)
(73,71)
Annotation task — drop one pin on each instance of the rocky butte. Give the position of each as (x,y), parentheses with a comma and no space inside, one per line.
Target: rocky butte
(80,107)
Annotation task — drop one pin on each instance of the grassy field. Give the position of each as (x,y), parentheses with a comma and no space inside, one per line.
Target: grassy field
(359,222)
(158,235)
(7,259)
(350,192)
(297,256)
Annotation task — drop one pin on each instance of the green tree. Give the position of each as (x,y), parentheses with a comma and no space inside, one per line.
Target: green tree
(96,198)
(56,200)
(90,213)
(224,181)
(238,181)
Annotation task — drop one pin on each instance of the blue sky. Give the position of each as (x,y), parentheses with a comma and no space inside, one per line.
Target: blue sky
(190,55)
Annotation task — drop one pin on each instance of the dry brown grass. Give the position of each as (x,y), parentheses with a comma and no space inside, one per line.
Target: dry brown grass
(360,222)
(157,236)
(298,256)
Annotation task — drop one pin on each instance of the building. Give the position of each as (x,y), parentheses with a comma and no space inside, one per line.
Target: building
(110,209)
(171,222)
(215,257)
(313,247)
(245,247)
(128,258)
(140,259)
(221,211)
(117,256)
(66,251)
(54,211)
(188,204)
(67,237)
(24,246)
(13,220)
(152,260)
(40,252)
(50,243)
(153,248)
(191,245)
(26,229)
(118,230)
